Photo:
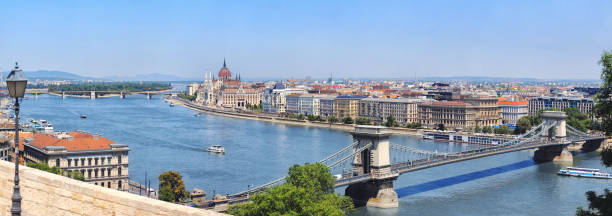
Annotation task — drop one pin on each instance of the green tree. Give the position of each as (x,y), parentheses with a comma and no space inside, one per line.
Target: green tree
(362,121)
(603,105)
(308,191)
(347,120)
(523,125)
(171,187)
(487,129)
(602,204)
(56,170)
(390,121)
(477,129)
(311,117)
(312,176)
(441,127)
(502,130)
(332,119)
(300,117)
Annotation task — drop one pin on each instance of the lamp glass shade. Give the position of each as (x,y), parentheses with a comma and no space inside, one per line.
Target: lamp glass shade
(16,88)
(16,82)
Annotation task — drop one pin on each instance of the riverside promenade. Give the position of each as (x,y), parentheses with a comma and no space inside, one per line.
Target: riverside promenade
(281,120)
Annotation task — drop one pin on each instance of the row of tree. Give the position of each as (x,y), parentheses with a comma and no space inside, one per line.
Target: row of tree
(56,170)
(111,86)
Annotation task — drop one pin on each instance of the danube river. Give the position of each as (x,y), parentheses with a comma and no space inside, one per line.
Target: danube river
(163,138)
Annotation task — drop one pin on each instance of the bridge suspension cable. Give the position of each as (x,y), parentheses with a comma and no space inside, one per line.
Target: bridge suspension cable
(351,155)
(338,152)
(278,181)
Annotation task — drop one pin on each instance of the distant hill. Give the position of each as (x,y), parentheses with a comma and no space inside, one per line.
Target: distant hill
(150,77)
(53,75)
(61,75)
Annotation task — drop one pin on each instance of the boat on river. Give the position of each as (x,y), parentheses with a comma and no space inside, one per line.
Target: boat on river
(584,172)
(218,149)
(83,116)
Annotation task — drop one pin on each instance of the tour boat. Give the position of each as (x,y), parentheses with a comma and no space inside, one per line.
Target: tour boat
(584,172)
(83,116)
(424,136)
(171,104)
(216,149)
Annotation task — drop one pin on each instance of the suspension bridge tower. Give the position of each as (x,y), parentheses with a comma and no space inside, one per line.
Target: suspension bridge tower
(557,133)
(374,162)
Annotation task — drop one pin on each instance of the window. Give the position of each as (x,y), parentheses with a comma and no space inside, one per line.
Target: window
(109,184)
(69,162)
(89,161)
(57,162)
(102,184)
(119,171)
(102,173)
(109,172)
(119,159)
(102,161)
(96,161)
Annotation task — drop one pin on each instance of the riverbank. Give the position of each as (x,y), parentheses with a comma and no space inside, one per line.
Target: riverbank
(275,119)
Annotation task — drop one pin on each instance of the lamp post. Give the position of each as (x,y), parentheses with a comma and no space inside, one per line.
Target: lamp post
(16,83)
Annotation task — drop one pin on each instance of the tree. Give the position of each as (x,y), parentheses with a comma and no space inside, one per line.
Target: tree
(487,129)
(311,117)
(313,176)
(477,129)
(441,127)
(332,119)
(300,117)
(502,130)
(171,187)
(390,121)
(56,170)
(347,120)
(602,204)
(523,125)
(603,104)
(308,191)
(362,121)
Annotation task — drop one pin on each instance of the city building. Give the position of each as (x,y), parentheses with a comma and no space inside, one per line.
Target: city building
(512,111)
(539,103)
(274,99)
(192,89)
(326,106)
(488,111)
(306,104)
(227,92)
(378,109)
(347,106)
(472,111)
(5,148)
(100,160)
(239,98)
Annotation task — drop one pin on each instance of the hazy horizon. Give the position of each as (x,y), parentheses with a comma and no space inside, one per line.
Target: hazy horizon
(390,40)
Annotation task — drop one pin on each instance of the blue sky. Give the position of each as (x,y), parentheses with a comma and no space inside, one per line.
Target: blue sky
(280,39)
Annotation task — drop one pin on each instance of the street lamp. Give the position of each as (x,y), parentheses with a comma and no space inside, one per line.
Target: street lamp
(16,83)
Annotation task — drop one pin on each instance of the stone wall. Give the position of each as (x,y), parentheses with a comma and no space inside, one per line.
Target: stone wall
(49,194)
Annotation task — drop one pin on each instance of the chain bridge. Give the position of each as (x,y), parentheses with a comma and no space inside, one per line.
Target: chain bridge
(369,173)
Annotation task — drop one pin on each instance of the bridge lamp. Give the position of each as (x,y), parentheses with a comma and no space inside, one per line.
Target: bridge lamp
(16,83)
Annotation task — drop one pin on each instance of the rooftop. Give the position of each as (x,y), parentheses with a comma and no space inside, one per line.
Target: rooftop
(72,141)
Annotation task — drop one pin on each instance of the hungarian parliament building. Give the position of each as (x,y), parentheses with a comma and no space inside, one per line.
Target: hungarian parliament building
(227,92)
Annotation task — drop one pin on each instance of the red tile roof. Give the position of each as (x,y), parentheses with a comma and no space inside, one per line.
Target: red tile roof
(80,141)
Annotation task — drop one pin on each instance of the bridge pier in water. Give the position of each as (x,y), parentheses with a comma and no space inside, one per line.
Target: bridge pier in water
(374,160)
(558,132)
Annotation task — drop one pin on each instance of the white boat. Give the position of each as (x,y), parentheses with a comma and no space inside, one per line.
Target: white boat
(584,172)
(424,136)
(216,149)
